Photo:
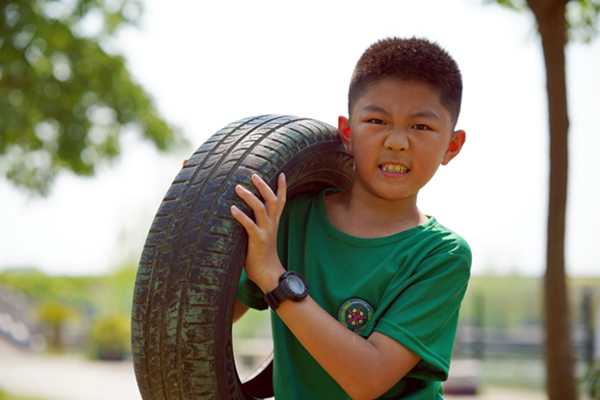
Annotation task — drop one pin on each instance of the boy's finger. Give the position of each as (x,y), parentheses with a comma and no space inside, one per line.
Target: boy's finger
(243,219)
(260,212)
(281,193)
(271,200)
(281,186)
(264,189)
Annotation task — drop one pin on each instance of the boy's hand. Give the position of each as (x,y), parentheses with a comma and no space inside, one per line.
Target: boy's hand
(262,262)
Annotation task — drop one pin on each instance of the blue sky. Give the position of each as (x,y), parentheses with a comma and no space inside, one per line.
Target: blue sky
(209,63)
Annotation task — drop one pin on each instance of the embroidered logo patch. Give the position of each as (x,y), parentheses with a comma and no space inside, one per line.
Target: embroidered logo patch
(355,314)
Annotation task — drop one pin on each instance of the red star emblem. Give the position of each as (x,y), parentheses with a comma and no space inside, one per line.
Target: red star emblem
(355,317)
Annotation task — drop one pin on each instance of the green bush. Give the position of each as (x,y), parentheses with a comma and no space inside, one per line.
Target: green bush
(109,337)
(592,381)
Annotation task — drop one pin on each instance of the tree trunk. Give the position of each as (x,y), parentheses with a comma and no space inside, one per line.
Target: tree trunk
(561,385)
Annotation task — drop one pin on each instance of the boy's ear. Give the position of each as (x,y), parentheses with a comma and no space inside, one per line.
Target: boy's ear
(456,143)
(344,132)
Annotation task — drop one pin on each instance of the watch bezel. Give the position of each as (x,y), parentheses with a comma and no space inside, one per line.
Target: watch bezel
(283,292)
(292,295)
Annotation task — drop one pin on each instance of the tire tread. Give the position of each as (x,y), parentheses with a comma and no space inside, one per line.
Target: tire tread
(184,276)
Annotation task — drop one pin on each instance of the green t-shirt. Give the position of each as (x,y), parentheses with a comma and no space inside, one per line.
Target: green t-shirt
(408,286)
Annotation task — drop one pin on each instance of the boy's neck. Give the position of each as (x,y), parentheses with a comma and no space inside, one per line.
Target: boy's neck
(366,217)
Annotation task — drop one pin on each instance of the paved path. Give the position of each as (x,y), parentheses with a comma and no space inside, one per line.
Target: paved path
(494,393)
(76,378)
(65,377)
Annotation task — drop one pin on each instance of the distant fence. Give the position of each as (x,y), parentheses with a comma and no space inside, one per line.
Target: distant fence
(476,339)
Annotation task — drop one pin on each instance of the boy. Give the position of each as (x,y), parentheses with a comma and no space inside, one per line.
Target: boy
(386,281)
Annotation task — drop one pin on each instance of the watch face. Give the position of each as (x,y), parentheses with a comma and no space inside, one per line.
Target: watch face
(295,284)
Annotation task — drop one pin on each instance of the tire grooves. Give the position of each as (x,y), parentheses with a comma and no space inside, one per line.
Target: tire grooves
(176,251)
(155,271)
(259,142)
(210,172)
(228,176)
(274,150)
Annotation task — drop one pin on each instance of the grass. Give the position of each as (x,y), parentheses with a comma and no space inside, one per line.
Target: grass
(505,302)
(8,396)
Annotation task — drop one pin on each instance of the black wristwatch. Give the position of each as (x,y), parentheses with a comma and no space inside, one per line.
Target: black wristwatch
(292,286)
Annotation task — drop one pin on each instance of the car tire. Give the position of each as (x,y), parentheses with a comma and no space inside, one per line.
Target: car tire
(193,256)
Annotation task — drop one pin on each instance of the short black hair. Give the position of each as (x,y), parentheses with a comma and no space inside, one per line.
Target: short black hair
(414,59)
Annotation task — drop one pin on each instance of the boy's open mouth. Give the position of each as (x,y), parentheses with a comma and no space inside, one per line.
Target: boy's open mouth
(393,168)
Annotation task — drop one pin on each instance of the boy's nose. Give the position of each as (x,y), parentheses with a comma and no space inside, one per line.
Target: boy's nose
(396,141)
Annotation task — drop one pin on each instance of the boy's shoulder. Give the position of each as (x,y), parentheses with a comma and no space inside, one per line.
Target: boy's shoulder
(448,241)
(436,234)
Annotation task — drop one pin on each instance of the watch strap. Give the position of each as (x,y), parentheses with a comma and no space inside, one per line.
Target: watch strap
(277,296)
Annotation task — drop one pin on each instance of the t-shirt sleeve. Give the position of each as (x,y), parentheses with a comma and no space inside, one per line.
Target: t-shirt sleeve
(250,294)
(424,315)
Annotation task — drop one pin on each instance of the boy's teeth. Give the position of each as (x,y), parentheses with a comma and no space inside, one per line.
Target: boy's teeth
(397,169)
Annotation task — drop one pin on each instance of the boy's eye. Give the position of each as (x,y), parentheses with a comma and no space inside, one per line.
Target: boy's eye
(421,127)
(376,121)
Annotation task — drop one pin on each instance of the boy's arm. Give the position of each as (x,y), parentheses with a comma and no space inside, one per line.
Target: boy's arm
(365,369)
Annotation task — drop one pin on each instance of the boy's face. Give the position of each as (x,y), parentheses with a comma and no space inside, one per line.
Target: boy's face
(399,133)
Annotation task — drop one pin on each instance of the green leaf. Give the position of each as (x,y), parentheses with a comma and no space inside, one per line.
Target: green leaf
(64,101)
(518,5)
(582,17)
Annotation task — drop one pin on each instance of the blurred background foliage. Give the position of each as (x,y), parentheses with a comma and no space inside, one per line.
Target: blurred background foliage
(581,16)
(65,94)
(592,382)
(83,314)
(9,396)
(502,323)
(500,314)
(109,337)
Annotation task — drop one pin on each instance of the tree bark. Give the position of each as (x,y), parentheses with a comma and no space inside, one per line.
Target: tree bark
(561,384)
